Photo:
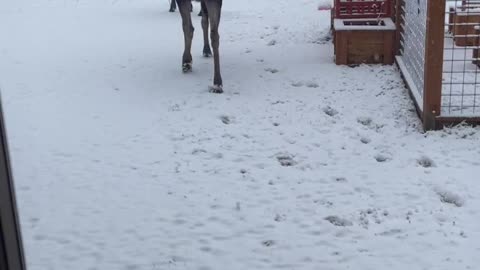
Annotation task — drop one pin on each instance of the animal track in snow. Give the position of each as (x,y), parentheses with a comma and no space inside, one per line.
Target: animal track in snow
(268,243)
(272,70)
(286,160)
(391,232)
(366,121)
(369,214)
(225,119)
(383,157)
(297,84)
(323,202)
(279,218)
(330,111)
(426,162)
(199,151)
(365,140)
(312,85)
(340,179)
(450,198)
(338,221)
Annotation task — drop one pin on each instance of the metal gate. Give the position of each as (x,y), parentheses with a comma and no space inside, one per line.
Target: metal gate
(438,55)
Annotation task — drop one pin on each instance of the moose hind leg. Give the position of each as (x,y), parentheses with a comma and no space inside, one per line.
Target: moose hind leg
(173,6)
(207,52)
(184,8)
(214,8)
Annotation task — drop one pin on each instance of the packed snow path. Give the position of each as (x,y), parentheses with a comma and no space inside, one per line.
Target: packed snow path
(122,162)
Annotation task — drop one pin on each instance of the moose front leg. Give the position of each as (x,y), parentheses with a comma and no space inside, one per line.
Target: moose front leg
(207,52)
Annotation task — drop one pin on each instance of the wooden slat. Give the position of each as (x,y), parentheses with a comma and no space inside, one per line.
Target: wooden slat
(341,47)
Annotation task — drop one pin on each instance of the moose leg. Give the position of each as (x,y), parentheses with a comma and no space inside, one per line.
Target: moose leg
(184,7)
(214,8)
(207,52)
(173,6)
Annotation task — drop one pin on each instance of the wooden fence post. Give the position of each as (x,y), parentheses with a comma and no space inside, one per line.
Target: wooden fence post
(434,47)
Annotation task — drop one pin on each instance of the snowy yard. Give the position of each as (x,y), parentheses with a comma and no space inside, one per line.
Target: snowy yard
(122,162)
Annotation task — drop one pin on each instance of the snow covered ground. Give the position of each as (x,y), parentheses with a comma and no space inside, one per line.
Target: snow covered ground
(122,162)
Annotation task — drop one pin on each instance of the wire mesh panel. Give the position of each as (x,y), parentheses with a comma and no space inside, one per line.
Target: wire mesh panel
(460,82)
(412,49)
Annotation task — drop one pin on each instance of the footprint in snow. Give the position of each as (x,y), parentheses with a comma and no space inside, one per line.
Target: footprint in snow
(174,108)
(382,158)
(323,40)
(391,232)
(297,84)
(426,162)
(330,111)
(279,218)
(272,42)
(272,70)
(198,151)
(365,140)
(225,119)
(450,198)
(268,243)
(312,85)
(286,160)
(338,221)
(366,121)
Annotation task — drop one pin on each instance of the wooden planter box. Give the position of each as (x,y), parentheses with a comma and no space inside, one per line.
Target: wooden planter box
(463,28)
(451,17)
(364,41)
(476,51)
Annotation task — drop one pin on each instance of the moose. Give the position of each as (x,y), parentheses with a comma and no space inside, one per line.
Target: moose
(211,13)
(173,7)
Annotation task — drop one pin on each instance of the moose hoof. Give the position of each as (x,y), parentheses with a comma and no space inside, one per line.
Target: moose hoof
(207,53)
(187,67)
(216,89)
(172,10)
